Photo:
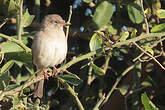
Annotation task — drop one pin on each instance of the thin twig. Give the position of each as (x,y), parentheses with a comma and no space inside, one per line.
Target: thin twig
(99,103)
(4,22)
(20,20)
(68,22)
(144,15)
(155,44)
(27,49)
(67,87)
(149,55)
(117,82)
(138,38)
(78,59)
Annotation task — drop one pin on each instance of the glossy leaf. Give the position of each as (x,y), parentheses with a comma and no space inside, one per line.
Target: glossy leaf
(148,12)
(11,47)
(160,13)
(72,79)
(102,14)
(97,70)
(134,12)
(133,34)
(149,49)
(148,105)
(146,84)
(124,36)
(27,19)
(95,42)
(158,28)
(7,66)
(124,89)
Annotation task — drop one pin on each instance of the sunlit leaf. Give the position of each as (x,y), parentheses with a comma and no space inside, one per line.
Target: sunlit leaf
(72,79)
(156,4)
(149,49)
(97,70)
(95,42)
(7,66)
(27,19)
(133,34)
(11,47)
(146,83)
(12,9)
(19,63)
(20,78)
(134,12)
(124,36)
(87,1)
(15,100)
(148,105)
(158,28)
(160,13)
(103,14)
(148,12)
(29,68)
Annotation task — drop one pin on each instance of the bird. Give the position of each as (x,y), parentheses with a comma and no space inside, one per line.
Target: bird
(49,47)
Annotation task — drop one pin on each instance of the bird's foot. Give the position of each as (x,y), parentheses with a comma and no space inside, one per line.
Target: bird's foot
(46,74)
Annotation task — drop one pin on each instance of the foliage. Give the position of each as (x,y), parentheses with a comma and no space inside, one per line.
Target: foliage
(124,53)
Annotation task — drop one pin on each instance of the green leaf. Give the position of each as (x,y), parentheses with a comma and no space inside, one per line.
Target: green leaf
(25,58)
(19,63)
(149,49)
(21,58)
(11,47)
(15,100)
(124,89)
(20,79)
(27,18)
(72,79)
(148,12)
(133,33)
(4,80)
(124,36)
(148,105)
(146,83)
(97,70)
(134,12)
(103,14)
(7,66)
(24,38)
(111,29)
(29,68)
(95,42)
(156,4)
(160,13)
(12,9)
(87,1)
(158,28)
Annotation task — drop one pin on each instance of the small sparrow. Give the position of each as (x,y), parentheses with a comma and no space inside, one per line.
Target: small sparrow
(49,47)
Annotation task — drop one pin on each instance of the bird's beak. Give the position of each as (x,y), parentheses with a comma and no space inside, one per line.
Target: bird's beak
(65,24)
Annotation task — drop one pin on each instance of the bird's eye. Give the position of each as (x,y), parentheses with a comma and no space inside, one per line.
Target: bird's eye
(55,22)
